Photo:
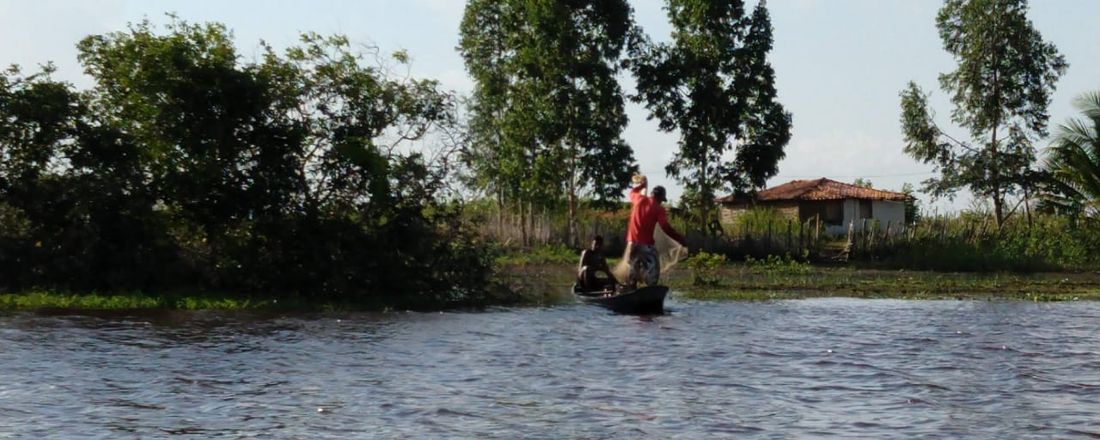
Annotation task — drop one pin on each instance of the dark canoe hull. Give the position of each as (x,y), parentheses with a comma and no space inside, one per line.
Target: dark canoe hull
(648,300)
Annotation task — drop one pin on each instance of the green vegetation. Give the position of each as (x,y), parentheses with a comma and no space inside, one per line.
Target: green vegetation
(1000,90)
(39,300)
(1073,163)
(713,85)
(973,243)
(316,178)
(704,268)
(760,231)
(776,265)
(182,300)
(546,254)
(185,167)
(547,112)
(549,283)
(745,282)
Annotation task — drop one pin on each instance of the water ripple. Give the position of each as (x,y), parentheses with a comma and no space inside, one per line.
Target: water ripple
(814,368)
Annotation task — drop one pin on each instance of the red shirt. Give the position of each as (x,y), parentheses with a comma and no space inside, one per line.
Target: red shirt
(645,215)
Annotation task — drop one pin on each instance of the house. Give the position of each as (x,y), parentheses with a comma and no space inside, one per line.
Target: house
(837,204)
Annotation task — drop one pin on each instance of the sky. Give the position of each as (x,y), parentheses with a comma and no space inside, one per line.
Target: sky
(839,64)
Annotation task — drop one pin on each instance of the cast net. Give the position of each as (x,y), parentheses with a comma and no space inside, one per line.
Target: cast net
(669,253)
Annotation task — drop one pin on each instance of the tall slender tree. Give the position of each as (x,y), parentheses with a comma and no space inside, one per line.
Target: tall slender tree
(1000,90)
(714,84)
(547,105)
(485,52)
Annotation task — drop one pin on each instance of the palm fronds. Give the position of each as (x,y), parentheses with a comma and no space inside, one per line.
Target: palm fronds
(1073,161)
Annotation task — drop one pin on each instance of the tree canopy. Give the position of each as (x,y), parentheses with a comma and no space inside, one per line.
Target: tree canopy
(1000,91)
(186,165)
(547,111)
(714,85)
(1073,162)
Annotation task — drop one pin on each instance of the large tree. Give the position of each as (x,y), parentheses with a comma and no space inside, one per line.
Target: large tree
(547,107)
(714,84)
(76,205)
(486,53)
(1000,91)
(199,114)
(290,173)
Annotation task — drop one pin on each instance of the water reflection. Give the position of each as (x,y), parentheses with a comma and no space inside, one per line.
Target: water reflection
(833,367)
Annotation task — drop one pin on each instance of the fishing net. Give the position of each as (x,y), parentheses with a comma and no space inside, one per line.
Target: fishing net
(668,251)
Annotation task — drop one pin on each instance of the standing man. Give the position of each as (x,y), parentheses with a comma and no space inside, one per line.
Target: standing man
(645,214)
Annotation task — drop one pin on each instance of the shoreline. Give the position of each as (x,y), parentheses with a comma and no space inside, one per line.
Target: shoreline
(541,284)
(740,282)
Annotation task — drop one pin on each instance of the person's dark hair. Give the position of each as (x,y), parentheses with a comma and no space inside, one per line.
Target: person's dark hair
(659,193)
(597,238)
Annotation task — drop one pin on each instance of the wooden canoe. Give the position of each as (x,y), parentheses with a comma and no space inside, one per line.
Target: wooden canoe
(649,300)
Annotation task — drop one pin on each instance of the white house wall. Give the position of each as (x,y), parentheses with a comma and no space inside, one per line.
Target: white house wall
(850,207)
(888,212)
(884,211)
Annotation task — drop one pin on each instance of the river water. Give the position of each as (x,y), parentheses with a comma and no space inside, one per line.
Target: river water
(839,368)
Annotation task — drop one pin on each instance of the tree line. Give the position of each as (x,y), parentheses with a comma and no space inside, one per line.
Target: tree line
(323,170)
(547,111)
(184,166)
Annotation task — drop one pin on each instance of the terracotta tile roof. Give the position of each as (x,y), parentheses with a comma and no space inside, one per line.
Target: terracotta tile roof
(820,189)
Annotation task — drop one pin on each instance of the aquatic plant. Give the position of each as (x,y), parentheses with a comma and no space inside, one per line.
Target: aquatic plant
(704,268)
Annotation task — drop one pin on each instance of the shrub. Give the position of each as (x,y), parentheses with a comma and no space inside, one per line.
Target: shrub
(776,265)
(704,268)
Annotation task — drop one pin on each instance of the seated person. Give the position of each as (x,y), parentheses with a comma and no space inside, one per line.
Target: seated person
(592,266)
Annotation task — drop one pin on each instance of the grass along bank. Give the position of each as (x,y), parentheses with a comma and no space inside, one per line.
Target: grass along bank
(543,283)
(549,282)
(742,282)
(56,300)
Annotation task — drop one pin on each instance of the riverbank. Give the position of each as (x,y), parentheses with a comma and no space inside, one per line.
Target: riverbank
(52,300)
(67,301)
(548,282)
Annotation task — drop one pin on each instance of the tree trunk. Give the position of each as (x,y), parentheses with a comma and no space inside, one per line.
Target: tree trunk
(531,225)
(571,139)
(522,224)
(998,209)
(500,212)
(1027,205)
(703,190)
(572,233)
(571,228)
(998,193)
